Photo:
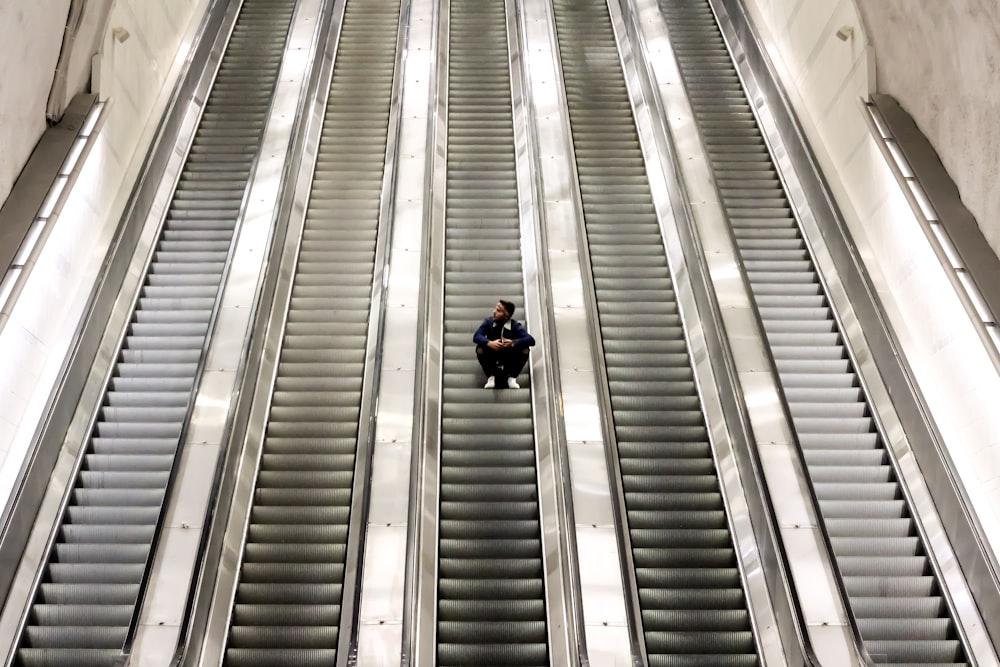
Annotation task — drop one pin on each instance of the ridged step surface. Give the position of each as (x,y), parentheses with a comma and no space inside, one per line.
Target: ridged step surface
(892,591)
(88,592)
(289,595)
(688,580)
(491,598)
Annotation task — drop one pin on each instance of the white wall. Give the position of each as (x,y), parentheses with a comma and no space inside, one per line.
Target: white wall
(31,32)
(825,77)
(137,76)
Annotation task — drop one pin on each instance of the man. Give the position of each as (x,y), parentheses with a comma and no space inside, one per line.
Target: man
(502,346)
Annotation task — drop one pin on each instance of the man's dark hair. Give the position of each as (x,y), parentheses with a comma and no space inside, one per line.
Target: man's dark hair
(508,306)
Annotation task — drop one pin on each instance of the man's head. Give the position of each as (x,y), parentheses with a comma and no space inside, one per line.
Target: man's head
(503,311)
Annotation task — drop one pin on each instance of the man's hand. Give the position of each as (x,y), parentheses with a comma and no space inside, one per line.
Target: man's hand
(495,344)
(506,342)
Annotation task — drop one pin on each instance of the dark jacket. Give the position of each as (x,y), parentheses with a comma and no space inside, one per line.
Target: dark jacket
(511,329)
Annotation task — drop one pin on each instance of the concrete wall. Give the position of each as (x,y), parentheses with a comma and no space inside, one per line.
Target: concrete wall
(136,76)
(31,32)
(825,77)
(943,65)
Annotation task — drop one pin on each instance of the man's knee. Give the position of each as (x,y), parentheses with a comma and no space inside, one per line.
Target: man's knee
(479,349)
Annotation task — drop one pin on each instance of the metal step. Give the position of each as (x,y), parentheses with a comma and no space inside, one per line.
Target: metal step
(87,594)
(891,588)
(691,598)
(289,595)
(491,597)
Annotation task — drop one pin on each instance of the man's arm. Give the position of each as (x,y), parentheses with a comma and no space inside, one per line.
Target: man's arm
(481,337)
(520,336)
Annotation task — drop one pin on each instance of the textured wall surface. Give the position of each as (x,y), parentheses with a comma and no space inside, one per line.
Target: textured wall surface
(943,65)
(31,33)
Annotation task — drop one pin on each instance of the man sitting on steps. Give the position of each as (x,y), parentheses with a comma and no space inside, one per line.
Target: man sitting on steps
(502,346)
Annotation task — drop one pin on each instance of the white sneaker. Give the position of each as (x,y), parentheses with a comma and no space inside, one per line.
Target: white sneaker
(490,382)
(512,383)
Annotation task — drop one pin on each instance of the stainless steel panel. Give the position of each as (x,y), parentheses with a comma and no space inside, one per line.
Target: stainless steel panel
(831,643)
(156,646)
(396,403)
(378,644)
(171,578)
(576,380)
(565,618)
(388,505)
(814,580)
(195,484)
(212,405)
(383,585)
(787,486)
(606,644)
(424,215)
(231,331)
(591,505)
(600,577)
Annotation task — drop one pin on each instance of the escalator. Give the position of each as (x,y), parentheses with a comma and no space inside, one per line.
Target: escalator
(685,571)
(892,590)
(290,597)
(89,588)
(491,607)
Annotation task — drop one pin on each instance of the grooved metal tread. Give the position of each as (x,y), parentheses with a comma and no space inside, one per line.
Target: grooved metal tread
(491,598)
(685,568)
(88,592)
(289,595)
(892,590)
